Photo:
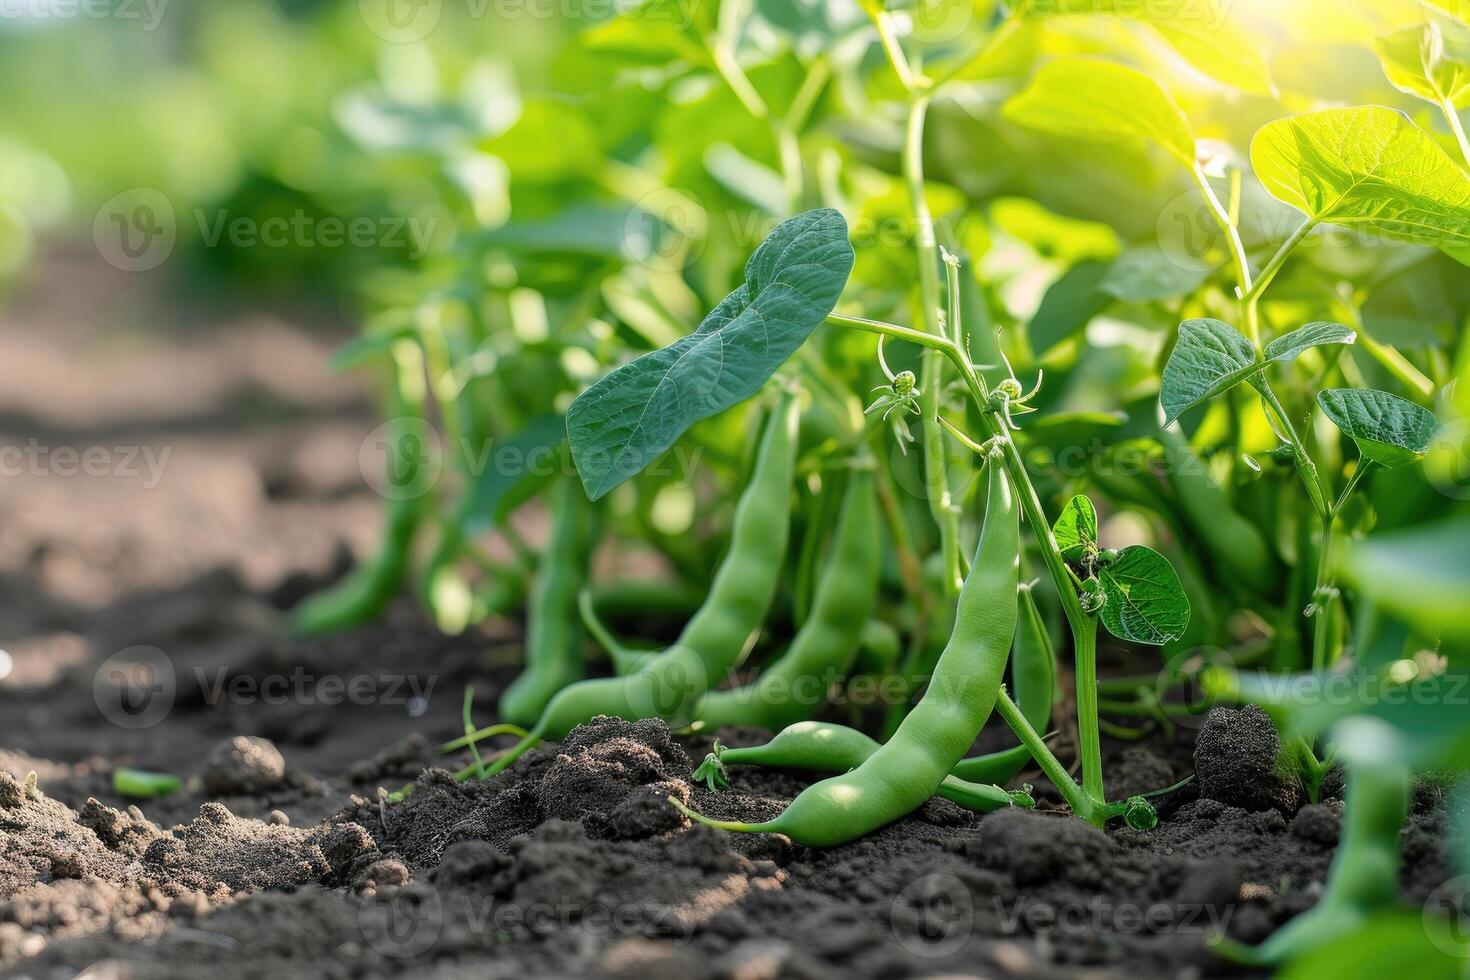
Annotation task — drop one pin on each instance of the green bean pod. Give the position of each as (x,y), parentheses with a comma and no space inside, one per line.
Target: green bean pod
(791,688)
(904,773)
(1034,680)
(553,632)
(371,585)
(670,684)
(825,747)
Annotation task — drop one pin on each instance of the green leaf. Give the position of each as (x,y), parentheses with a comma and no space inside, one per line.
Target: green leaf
(1394,942)
(1211,357)
(1289,346)
(1388,429)
(367,348)
(551,141)
(1068,305)
(1093,99)
(1421,575)
(513,470)
(144,785)
(792,281)
(1145,602)
(1367,167)
(1076,529)
(1142,275)
(1199,30)
(1430,61)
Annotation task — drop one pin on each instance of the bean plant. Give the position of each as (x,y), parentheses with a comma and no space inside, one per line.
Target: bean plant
(1270,509)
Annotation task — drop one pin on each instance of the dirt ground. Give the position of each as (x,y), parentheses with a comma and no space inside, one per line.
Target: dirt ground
(224,484)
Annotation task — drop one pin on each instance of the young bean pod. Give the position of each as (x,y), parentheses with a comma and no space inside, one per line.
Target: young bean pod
(791,688)
(1034,679)
(373,584)
(670,684)
(825,747)
(905,772)
(553,634)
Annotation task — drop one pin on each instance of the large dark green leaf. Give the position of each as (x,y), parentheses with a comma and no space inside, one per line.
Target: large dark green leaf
(514,469)
(624,421)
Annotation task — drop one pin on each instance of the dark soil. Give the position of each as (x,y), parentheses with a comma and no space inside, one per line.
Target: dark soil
(280,858)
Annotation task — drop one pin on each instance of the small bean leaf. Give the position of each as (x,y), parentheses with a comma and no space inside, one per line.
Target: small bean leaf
(1095,99)
(626,420)
(1145,602)
(1388,429)
(1211,357)
(1367,167)
(144,785)
(1421,575)
(1076,529)
(1289,346)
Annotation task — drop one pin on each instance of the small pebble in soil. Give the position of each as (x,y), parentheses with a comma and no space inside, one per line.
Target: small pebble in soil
(1238,760)
(243,765)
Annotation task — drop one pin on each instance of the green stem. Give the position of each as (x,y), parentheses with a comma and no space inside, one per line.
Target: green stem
(1253,293)
(1452,116)
(1089,740)
(1324,593)
(1232,238)
(1304,464)
(1051,766)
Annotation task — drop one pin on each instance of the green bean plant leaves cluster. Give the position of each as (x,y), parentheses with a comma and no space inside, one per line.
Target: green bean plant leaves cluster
(1015,355)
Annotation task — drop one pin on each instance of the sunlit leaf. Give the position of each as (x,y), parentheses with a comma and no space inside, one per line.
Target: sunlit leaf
(792,281)
(1145,601)
(1199,30)
(1366,167)
(1388,429)
(1094,99)
(1430,61)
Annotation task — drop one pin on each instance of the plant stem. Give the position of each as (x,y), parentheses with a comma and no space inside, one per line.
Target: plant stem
(911,80)
(1272,267)
(931,381)
(1304,464)
(1452,116)
(1081,804)
(1324,594)
(1237,247)
(1089,741)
